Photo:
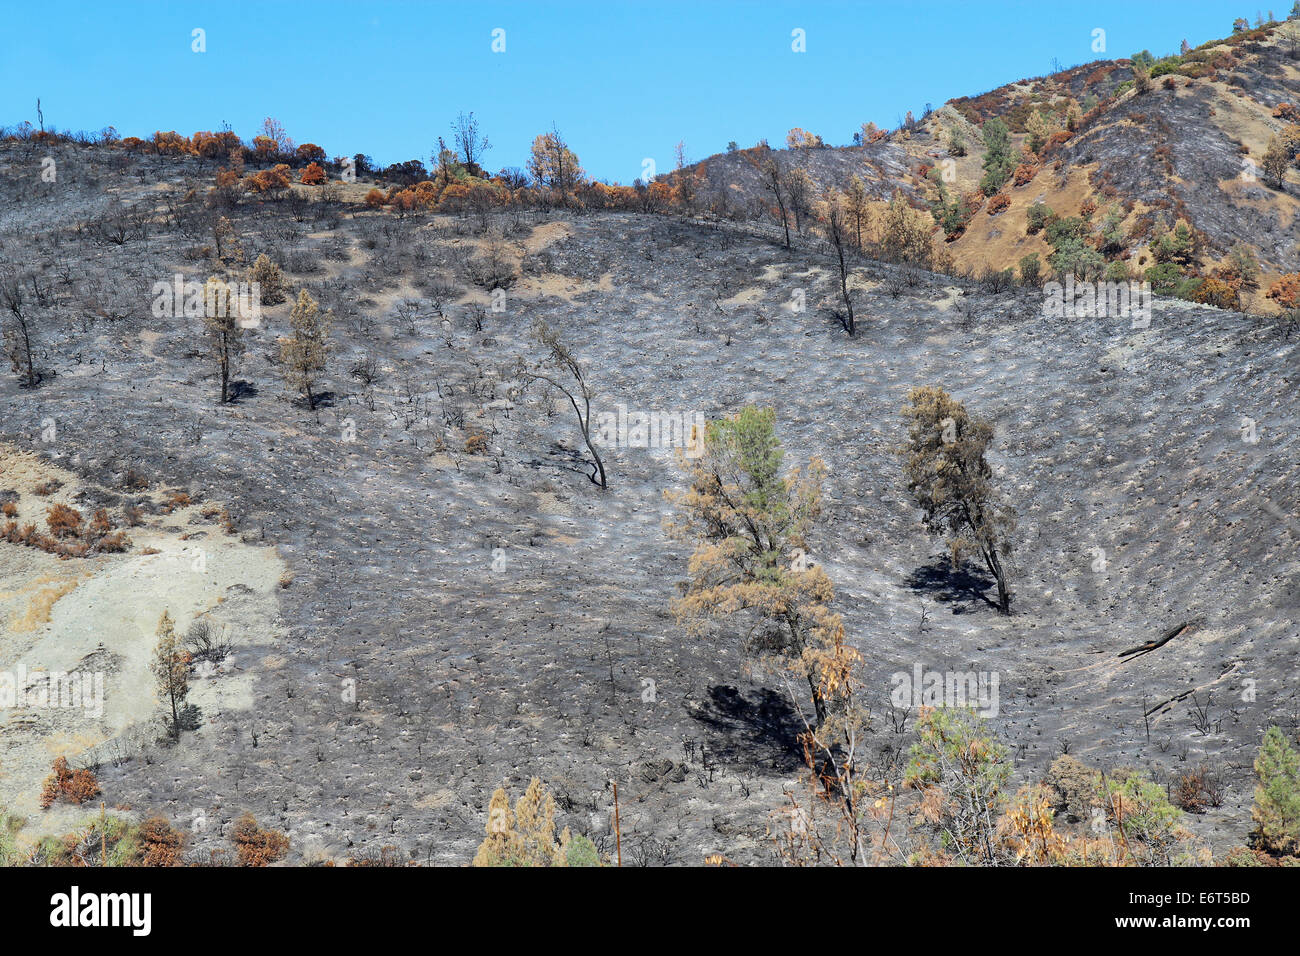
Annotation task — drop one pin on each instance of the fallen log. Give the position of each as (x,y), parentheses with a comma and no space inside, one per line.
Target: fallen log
(1164,639)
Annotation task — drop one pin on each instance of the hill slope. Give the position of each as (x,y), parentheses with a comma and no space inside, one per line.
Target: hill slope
(460,611)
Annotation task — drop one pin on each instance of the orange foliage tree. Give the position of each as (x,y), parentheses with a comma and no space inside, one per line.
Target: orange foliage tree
(271,180)
(310,153)
(171,143)
(1286,291)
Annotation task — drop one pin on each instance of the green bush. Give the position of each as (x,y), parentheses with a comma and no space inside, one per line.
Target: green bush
(1116,271)
(1030,268)
(999,162)
(1277,795)
(1038,216)
(1063,230)
(9,827)
(1151,825)
(1173,245)
(1164,278)
(581,852)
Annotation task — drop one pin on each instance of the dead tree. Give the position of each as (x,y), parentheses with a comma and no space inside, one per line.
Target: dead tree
(562,371)
(774,182)
(837,230)
(13,301)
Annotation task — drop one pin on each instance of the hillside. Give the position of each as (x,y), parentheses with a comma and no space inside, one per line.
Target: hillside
(1191,148)
(424,597)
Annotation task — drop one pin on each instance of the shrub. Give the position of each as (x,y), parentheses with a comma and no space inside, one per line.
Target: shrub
(1286,291)
(1025,174)
(1116,271)
(1173,245)
(960,769)
(1197,789)
(1164,278)
(375,199)
(313,175)
(159,844)
(272,180)
(74,786)
(1277,795)
(269,278)
(998,203)
(526,836)
(1217,293)
(1037,217)
(1076,787)
(255,846)
(1030,268)
(1241,268)
(63,521)
(1150,825)
(998,159)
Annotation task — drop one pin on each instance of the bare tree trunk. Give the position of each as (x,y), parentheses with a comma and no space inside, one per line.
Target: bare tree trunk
(225,370)
(850,325)
(27,351)
(584,422)
(1000,574)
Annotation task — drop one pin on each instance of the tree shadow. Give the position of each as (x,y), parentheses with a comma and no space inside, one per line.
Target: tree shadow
(758,730)
(239,389)
(962,587)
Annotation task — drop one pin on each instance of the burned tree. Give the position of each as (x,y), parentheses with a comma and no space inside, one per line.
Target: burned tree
(749,522)
(304,351)
(469,143)
(171,669)
(837,227)
(221,319)
(774,182)
(948,475)
(19,336)
(562,371)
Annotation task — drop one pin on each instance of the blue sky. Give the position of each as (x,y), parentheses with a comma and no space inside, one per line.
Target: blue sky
(623,81)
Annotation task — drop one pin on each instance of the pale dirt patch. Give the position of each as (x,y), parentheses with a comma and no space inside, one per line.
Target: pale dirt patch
(148,340)
(951,294)
(552,284)
(546,234)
